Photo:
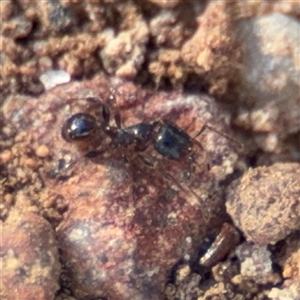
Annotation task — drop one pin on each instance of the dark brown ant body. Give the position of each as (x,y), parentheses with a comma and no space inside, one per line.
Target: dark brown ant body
(167,139)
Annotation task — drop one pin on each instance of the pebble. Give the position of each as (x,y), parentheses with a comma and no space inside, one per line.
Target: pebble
(52,78)
(265,202)
(125,223)
(6,156)
(16,28)
(42,151)
(31,163)
(289,261)
(256,263)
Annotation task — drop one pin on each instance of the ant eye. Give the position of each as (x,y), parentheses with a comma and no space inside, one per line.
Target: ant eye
(78,127)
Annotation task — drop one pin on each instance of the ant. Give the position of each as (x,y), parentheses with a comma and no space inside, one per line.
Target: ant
(167,139)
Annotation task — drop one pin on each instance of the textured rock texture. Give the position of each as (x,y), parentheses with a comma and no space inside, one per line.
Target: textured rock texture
(29,256)
(265,202)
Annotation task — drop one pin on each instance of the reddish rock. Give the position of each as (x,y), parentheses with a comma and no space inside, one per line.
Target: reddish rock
(29,256)
(211,52)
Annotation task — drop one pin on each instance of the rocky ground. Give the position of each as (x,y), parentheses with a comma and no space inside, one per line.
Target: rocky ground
(126,224)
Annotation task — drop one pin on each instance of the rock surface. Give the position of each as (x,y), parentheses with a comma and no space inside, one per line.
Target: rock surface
(256,263)
(29,257)
(265,202)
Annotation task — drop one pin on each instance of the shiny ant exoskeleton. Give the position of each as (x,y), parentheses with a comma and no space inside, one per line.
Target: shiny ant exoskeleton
(167,139)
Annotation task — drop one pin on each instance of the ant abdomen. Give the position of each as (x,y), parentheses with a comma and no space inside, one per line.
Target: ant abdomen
(79,127)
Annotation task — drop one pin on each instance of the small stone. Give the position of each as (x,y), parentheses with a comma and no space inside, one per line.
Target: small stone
(210,52)
(169,30)
(6,156)
(265,202)
(267,142)
(52,78)
(264,119)
(42,151)
(225,270)
(268,92)
(124,54)
(256,263)
(56,16)
(7,9)
(17,28)
(182,272)
(165,3)
(188,288)
(31,163)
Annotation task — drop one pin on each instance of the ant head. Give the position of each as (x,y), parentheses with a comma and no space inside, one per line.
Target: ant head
(79,127)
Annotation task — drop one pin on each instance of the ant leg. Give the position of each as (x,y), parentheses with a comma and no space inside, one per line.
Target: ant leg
(148,162)
(63,166)
(194,157)
(95,153)
(98,109)
(204,207)
(95,107)
(240,146)
(59,173)
(106,114)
